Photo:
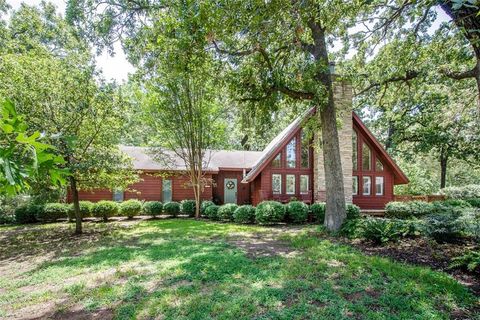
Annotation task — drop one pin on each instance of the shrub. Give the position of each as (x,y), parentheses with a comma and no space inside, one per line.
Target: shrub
(226,211)
(381,231)
(27,213)
(5,216)
(244,214)
(469,261)
(105,209)
(408,210)
(464,192)
(205,205)
(270,212)
(171,208)
(443,227)
(296,211)
(211,212)
(85,210)
(130,208)
(152,208)
(353,211)
(188,207)
(474,202)
(470,223)
(318,211)
(53,212)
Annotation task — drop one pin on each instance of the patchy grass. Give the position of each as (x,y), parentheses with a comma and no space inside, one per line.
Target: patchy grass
(186,269)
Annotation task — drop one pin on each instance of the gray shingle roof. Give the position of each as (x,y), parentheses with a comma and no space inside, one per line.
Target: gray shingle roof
(145,158)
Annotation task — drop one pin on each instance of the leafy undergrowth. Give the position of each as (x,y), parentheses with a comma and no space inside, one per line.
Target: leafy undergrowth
(186,269)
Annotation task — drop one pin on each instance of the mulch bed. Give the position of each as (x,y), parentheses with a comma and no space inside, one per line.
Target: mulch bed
(424,252)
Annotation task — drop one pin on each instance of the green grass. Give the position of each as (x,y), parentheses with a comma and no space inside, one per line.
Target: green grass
(186,269)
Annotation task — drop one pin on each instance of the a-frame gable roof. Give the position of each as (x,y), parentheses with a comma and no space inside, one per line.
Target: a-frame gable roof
(276,145)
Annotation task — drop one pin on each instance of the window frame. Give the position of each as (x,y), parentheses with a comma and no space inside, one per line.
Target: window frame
(279,158)
(163,190)
(116,192)
(308,183)
(293,148)
(355,150)
(355,188)
(287,184)
(280,179)
(364,144)
(304,147)
(369,178)
(382,186)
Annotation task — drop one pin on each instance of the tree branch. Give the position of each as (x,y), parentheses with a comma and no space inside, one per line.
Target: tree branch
(410,75)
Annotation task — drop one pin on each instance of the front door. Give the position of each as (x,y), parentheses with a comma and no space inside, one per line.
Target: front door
(230,187)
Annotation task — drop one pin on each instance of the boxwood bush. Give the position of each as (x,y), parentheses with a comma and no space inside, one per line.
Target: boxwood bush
(211,212)
(53,211)
(353,211)
(130,208)
(85,210)
(171,208)
(205,204)
(244,214)
(318,211)
(296,212)
(226,211)
(188,207)
(105,209)
(153,208)
(27,213)
(270,212)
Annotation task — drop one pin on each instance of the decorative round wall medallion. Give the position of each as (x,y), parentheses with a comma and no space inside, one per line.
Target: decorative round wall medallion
(230,185)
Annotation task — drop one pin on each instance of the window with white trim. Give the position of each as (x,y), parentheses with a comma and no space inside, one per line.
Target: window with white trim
(304,184)
(379,186)
(291,153)
(290,184)
(367,186)
(355,185)
(276,183)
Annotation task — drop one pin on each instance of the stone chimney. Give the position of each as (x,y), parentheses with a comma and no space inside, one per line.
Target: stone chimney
(342,93)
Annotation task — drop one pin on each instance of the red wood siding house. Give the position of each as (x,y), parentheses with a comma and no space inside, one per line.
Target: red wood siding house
(282,171)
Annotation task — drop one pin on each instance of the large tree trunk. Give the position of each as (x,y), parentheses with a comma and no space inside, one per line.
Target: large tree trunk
(76,205)
(443,169)
(335,212)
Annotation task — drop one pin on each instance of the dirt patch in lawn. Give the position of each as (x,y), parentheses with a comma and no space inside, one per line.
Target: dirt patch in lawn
(424,252)
(103,314)
(266,244)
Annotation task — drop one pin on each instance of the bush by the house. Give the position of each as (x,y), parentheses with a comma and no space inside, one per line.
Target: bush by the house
(153,208)
(270,212)
(469,261)
(85,210)
(188,207)
(408,210)
(27,213)
(205,204)
(465,192)
(381,231)
(53,212)
(474,202)
(318,211)
(469,221)
(226,211)
(456,203)
(130,208)
(296,212)
(211,212)
(353,211)
(443,227)
(171,208)
(5,216)
(105,209)
(244,214)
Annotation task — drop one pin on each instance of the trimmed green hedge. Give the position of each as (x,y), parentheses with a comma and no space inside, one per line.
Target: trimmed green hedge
(270,212)
(105,209)
(318,211)
(205,204)
(153,208)
(53,211)
(188,207)
(85,210)
(296,212)
(171,208)
(130,208)
(27,213)
(225,212)
(244,214)
(408,210)
(211,212)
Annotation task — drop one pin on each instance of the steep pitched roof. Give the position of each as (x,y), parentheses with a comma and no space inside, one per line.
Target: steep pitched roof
(156,159)
(399,176)
(283,137)
(275,145)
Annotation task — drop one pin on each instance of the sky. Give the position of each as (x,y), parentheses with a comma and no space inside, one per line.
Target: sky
(116,67)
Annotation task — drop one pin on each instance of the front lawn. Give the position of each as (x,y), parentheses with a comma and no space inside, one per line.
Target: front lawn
(186,269)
